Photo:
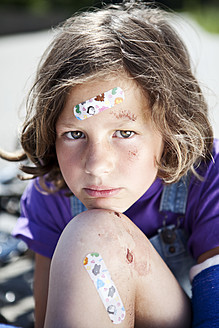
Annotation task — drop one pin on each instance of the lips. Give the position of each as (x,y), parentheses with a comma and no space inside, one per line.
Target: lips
(101,192)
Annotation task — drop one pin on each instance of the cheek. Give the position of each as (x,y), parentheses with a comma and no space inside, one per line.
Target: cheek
(66,159)
(133,154)
(140,156)
(61,155)
(141,159)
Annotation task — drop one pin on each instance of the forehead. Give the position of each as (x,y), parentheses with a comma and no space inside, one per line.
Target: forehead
(133,102)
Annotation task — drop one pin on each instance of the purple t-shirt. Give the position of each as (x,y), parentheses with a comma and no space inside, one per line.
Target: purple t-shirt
(44,216)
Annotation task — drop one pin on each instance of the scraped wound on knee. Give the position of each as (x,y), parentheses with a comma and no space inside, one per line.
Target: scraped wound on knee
(106,288)
(129,256)
(99,103)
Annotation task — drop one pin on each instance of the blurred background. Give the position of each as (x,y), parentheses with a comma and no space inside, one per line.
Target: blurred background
(18,16)
(25,31)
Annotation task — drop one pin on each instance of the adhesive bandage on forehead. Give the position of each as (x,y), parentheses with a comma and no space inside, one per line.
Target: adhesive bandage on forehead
(99,103)
(106,288)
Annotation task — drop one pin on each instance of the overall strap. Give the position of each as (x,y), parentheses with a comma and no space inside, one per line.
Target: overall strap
(171,241)
(174,196)
(76,206)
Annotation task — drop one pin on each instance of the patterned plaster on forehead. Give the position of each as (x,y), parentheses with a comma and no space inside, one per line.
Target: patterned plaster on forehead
(99,103)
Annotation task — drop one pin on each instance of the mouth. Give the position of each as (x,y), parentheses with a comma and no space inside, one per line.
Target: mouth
(101,192)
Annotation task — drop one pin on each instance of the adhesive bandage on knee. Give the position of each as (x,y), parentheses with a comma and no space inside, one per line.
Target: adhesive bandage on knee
(99,103)
(106,288)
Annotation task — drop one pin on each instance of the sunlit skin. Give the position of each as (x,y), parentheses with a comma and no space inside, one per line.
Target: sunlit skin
(108,160)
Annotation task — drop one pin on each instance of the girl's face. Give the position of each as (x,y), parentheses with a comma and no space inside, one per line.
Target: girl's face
(109,159)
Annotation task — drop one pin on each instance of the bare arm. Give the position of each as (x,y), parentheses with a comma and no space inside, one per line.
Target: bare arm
(41,282)
(209,254)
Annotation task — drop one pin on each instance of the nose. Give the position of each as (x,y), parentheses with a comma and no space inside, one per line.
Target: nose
(99,159)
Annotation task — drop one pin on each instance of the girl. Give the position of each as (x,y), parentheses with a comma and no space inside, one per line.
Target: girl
(118,133)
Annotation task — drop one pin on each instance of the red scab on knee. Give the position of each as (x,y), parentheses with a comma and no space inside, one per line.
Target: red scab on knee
(117,214)
(129,256)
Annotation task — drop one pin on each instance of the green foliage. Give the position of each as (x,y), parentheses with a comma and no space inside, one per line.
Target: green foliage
(205,12)
(47,5)
(207,17)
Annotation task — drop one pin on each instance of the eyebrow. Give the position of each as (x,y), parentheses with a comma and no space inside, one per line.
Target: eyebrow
(121,115)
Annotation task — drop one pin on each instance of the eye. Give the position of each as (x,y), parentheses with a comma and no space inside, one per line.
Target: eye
(124,134)
(75,135)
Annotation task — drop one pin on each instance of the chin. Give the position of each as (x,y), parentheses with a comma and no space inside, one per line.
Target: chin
(103,205)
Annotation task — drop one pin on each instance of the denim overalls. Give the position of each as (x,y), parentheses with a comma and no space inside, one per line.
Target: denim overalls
(170,241)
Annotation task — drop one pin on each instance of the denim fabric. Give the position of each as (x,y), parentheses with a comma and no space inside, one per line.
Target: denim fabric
(6,326)
(76,206)
(176,256)
(174,196)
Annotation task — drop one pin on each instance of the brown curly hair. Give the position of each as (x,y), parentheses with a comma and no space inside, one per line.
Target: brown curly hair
(136,39)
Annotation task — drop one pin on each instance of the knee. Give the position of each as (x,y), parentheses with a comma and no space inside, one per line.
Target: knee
(94,225)
(112,234)
(101,223)
(103,227)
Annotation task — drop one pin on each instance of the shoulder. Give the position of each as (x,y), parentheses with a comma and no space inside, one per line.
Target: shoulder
(202,214)
(36,201)
(206,188)
(208,170)
(215,152)
(43,217)
(42,190)
(211,169)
